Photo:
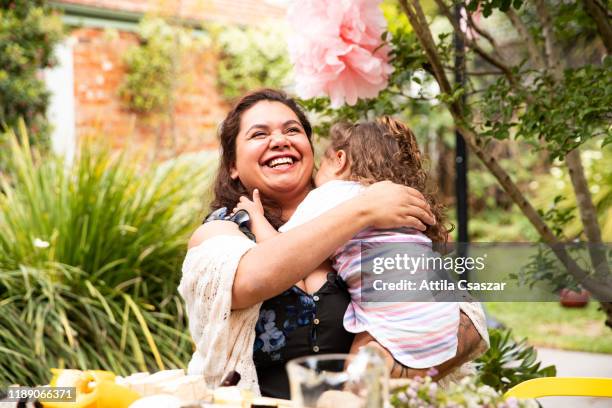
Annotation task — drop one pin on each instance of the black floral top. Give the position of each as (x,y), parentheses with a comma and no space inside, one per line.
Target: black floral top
(295,324)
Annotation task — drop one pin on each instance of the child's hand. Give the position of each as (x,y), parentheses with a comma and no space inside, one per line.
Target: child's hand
(259,224)
(253,207)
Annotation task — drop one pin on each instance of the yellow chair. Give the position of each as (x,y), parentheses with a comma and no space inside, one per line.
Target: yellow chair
(562,387)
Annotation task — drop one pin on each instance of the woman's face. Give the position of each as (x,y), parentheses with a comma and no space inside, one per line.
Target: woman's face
(273,153)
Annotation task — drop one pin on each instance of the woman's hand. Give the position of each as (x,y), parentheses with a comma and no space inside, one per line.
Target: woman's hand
(468,341)
(390,205)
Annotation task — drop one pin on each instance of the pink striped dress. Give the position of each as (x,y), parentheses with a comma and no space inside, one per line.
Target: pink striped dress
(417,334)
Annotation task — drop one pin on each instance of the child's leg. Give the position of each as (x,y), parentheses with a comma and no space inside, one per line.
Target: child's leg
(397,370)
(361,339)
(366,339)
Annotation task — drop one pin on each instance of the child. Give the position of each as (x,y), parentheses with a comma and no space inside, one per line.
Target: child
(417,334)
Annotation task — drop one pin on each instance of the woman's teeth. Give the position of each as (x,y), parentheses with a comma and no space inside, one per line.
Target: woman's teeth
(279,161)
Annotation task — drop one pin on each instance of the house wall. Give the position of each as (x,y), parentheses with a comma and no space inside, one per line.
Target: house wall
(98,74)
(98,71)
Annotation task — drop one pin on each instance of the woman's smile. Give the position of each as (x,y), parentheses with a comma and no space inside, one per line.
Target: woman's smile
(282,170)
(281,162)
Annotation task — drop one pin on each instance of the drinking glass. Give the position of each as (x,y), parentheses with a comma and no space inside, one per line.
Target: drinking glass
(339,380)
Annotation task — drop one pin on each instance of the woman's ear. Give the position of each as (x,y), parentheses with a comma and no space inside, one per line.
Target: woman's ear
(233,172)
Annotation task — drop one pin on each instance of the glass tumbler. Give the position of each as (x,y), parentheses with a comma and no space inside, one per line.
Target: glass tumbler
(339,380)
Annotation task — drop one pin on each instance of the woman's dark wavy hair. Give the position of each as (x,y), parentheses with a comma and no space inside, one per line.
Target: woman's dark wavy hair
(226,190)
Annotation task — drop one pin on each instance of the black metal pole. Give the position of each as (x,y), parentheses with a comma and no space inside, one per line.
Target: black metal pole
(461,154)
(461,160)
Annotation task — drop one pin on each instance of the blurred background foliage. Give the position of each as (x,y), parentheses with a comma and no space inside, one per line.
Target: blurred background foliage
(90,258)
(154,72)
(251,58)
(28,33)
(153,67)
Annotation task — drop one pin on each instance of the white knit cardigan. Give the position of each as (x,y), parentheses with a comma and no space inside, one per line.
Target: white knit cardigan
(224,337)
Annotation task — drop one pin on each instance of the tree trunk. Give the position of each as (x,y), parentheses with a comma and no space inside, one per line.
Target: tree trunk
(588,213)
(606,307)
(600,14)
(527,38)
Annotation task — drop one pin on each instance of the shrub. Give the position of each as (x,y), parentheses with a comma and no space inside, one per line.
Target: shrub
(150,67)
(28,33)
(154,66)
(90,258)
(251,58)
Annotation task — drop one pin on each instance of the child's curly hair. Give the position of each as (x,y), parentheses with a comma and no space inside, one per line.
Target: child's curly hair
(387,150)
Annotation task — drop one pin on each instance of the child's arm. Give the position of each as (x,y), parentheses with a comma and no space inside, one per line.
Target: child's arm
(260,226)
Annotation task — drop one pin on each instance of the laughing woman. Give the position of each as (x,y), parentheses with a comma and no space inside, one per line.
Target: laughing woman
(253,306)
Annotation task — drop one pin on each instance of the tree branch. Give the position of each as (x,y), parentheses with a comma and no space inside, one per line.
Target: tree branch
(574,163)
(521,29)
(474,45)
(419,24)
(601,15)
(599,288)
(552,55)
(484,33)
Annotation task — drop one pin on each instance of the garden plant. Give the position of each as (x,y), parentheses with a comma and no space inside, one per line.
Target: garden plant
(90,258)
(350,64)
(28,33)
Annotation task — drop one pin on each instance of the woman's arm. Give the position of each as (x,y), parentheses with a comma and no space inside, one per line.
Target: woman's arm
(277,263)
(468,340)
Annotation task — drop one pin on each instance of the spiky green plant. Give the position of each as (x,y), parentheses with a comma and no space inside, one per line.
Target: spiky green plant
(508,362)
(90,259)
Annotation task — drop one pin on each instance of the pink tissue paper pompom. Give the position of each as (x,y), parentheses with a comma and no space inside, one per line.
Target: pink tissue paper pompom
(336,49)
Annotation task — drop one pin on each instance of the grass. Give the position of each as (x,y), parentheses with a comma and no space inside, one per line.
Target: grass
(548,324)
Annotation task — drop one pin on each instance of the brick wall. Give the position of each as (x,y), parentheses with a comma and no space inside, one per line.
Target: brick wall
(98,72)
(199,108)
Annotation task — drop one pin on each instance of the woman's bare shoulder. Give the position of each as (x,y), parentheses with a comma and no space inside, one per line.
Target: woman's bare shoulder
(212,229)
